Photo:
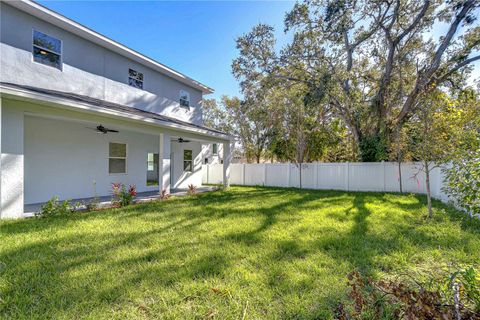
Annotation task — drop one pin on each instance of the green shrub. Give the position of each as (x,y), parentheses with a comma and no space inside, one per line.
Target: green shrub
(121,196)
(54,207)
(463,181)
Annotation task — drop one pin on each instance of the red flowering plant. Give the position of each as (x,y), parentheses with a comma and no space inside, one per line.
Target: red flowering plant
(121,196)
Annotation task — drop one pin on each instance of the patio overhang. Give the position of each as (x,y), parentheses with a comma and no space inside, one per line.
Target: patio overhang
(83,104)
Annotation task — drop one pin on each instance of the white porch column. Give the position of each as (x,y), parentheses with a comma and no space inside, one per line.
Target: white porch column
(227,156)
(164,162)
(11,163)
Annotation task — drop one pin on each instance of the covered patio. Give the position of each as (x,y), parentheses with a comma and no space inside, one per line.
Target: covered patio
(52,146)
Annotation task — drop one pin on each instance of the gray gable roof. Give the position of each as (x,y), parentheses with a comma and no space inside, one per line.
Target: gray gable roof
(109,106)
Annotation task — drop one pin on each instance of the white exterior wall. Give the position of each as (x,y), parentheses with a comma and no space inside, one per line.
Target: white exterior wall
(182,179)
(207,150)
(65,158)
(12,162)
(88,69)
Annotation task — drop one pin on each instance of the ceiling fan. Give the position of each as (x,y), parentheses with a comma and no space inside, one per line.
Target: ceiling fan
(102,129)
(181,140)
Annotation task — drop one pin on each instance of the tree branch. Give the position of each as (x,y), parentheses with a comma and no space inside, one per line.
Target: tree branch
(425,74)
(456,68)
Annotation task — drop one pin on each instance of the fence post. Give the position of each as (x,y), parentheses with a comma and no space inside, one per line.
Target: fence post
(384,183)
(264,174)
(243,174)
(316,175)
(288,175)
(348,176)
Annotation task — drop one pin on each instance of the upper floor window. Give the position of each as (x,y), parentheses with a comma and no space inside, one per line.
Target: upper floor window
(215,149)
(184,99)
(135,79)
(47,50)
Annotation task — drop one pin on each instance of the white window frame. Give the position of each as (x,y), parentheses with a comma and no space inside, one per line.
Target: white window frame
(153,161)
(184,92)
(142,81)
(191,161)
(48,50)
(126,158)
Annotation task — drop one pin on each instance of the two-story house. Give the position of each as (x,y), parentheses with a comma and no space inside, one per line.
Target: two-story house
(80,111)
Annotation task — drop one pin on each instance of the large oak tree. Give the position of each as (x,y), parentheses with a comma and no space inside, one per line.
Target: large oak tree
(370,61)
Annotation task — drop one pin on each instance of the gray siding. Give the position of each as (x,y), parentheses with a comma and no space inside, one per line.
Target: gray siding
(88,69)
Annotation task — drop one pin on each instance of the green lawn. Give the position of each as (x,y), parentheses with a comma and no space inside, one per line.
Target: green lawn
(251,253)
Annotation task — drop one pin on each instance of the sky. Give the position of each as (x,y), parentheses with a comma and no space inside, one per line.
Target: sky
(194,38)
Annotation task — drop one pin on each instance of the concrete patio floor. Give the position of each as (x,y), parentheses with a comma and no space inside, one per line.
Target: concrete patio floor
(29,210)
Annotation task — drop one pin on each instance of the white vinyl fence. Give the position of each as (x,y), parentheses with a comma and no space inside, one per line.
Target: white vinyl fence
(348,176)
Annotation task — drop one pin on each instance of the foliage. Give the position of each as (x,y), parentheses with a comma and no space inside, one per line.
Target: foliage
(462,171)
(273,253)
(254,123)
(463,181)
(93,204)
(467,282)
(454,295)
(54,207)
(164,195)
(121,196)
(192,189)
(370,62)
(372,149)
(216,116)
(444,129)
(248,120)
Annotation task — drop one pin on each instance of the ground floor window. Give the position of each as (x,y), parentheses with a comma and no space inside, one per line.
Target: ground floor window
(187,161)
(152,169)
(117,158)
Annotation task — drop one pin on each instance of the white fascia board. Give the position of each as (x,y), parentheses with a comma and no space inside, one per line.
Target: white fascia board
(76,28)
(25,95)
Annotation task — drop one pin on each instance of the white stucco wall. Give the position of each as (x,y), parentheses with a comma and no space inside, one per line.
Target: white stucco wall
(208,153)
(12,160)
(48,151)
(182,179)
(65,158)
(88,69)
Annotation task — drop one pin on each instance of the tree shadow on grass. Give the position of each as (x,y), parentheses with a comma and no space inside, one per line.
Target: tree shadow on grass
(269,215)
(170,251)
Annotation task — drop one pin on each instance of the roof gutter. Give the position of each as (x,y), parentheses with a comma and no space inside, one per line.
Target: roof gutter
(22,94)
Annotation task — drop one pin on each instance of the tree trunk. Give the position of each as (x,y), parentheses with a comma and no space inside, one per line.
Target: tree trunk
(427,183)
